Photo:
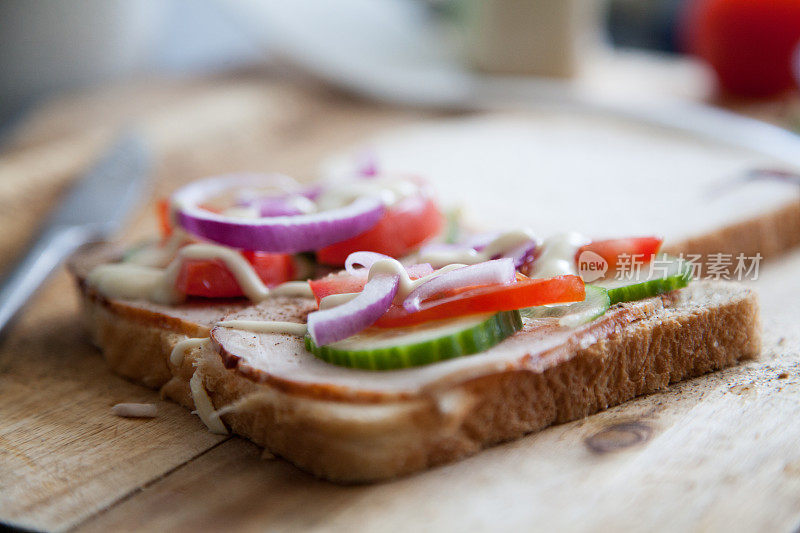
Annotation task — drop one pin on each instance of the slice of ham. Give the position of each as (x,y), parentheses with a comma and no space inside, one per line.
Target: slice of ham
(283,362)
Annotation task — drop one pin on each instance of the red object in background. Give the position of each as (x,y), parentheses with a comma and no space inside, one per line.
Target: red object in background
(749,43)
(401,230)
(212,279)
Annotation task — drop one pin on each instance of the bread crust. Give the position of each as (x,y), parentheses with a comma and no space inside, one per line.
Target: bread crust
(355,442)
(769,235)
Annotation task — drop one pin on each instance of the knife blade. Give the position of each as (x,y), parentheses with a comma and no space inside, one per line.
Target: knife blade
(95,208)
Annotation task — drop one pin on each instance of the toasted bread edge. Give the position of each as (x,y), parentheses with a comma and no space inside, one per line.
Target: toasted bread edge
(354,443)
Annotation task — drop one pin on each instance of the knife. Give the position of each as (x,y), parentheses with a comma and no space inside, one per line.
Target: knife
(94,209)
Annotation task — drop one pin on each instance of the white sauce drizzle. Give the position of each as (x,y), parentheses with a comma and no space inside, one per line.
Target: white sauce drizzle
(293,288)
(245,275)
(203,406)
(393,267)
(503,243)
(133,281)
(183,347)
(266,326)
(332,300)
(558,255)
(389,189)
(160,256)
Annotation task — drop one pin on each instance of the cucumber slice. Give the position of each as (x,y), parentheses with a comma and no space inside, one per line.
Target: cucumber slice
(669,274)
(388,349)
(572,315)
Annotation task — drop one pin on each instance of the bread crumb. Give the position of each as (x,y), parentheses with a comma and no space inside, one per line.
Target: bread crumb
(135,410)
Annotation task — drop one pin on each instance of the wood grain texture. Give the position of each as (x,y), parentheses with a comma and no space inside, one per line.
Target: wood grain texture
(63,455)
(700,456)
(716,453)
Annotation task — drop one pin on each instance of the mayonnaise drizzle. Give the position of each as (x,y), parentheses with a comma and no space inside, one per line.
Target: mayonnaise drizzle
(393,267)
(332,300)
(203,406)
(158,256)
(133,281)
(181,348)
(503,243)
(266,326)
(245,275)
(558,255)
(293,288)
(388,188)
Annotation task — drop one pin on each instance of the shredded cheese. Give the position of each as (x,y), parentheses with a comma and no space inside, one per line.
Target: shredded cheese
(135,410)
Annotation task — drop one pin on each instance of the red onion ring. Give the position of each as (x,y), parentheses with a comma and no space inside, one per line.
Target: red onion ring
(343,321)
(287,234)
(497,271)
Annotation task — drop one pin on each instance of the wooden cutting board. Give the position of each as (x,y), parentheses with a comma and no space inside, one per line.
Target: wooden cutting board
(714,453)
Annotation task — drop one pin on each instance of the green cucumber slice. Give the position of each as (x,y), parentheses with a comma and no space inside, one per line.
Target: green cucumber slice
(669,274)
(572,315)
(389,349)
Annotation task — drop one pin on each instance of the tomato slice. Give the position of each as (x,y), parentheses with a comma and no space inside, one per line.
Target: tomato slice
(403,228)
(337,283)
(644,248)
(212,279)
(162,213)
(525,292)
(340,283)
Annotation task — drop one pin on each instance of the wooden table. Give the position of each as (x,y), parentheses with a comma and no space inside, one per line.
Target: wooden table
(715,453)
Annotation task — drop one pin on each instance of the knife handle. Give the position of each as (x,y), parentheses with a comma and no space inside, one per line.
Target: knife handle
(51,248)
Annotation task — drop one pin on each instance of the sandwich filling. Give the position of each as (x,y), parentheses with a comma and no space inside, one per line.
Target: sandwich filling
(411,291)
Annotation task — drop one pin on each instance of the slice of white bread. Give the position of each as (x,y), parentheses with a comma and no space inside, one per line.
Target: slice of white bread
(136,330)
(602,176)
(355,426)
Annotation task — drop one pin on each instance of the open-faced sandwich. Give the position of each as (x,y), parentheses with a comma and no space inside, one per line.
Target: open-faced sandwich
(338,327)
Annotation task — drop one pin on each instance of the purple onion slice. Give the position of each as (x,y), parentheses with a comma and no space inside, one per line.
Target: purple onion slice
(496,271)
(342,321)
(286,234)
